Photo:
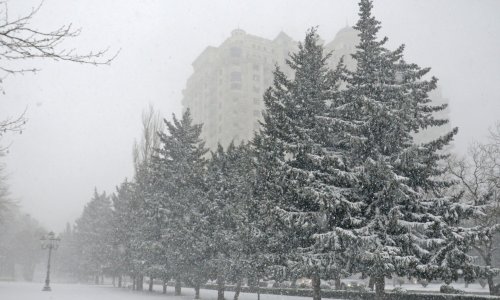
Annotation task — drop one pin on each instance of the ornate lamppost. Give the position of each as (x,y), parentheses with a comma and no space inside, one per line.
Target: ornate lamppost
(51,242)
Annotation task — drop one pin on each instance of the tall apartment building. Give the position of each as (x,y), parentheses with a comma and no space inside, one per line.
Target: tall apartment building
(226,88)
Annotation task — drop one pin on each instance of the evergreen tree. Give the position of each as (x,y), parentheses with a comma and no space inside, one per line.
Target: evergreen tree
(126,238)
(220,213)
(92,233)
(67,255)
(304,168)
(179,167)
(231,216)
(150,227)
(409,222)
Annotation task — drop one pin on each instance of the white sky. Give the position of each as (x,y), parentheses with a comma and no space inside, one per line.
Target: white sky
(83,120)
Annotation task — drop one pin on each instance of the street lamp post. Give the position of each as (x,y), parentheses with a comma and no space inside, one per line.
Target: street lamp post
(51,242)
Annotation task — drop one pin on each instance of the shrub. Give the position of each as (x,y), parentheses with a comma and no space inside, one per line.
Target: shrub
(303,286)
(448,289)
(423,282)
(399,290)
(482,282)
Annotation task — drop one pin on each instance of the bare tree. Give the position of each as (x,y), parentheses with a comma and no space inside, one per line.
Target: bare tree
(479,176)
(152,123)
(22,41)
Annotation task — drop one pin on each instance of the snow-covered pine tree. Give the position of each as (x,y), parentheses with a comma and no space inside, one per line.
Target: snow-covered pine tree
(126,239)
(146,186)
(231,216)
(304,169)
(410,223)
(92,234)
(179,167)
(245,259)
(67,255)
(220,215)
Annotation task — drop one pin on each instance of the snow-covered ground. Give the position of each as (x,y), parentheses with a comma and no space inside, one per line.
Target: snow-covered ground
(33,291)
(473,288)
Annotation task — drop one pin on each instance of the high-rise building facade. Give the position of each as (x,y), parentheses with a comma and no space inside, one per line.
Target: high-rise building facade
(226,88)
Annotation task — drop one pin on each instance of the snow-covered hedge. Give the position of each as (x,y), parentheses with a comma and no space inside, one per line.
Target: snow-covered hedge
(334,294)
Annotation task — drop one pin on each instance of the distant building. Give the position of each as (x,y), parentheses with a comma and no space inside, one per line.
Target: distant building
(343,45)
(226,88)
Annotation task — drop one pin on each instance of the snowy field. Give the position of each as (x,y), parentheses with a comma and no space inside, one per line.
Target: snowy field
(33,291)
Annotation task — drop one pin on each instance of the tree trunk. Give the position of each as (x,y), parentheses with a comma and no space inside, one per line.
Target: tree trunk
(316,285)
(151,282)
(371,283)
(294,283)
(140,282)
(134,283)
(220,287)
(102,278)
(491,285)
(178,287)
(379,287)
(237,289)
(197,291)
(119,281)
(96,279)
(258,288)
(164,287)
(337,283)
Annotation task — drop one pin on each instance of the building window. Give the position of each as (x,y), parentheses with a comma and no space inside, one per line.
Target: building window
(235,52)
(235,76)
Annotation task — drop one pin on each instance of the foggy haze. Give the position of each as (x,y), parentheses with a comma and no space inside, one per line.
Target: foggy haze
(83,119)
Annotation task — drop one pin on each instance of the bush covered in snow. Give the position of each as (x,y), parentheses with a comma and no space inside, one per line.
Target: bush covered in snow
(448,289)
